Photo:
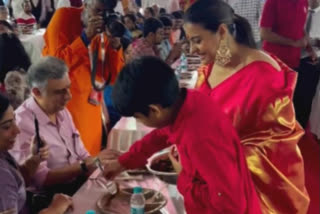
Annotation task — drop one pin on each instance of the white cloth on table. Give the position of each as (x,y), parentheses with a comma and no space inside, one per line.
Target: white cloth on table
(125,133)
(315,113)
(33,44)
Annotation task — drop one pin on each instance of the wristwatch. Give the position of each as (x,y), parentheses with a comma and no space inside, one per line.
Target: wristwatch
(84,167)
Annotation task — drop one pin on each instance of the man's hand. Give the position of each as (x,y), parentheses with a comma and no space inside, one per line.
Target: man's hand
(95,26)
(115,42)
(175,52)
(112,168)
(43,151)
(104,156)
(313,56)
(302,43)
(59,205)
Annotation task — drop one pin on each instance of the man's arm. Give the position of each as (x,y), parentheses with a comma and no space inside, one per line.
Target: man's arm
(268,21)
(61,175)
(139,153)
(141,150)
(268,35)
(57,39)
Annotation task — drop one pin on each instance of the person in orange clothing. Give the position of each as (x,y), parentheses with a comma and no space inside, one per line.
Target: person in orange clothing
(68,35)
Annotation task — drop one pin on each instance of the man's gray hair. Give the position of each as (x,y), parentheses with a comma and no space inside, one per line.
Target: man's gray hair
(46,68)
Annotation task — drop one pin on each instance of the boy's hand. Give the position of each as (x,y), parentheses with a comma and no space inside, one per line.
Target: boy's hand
(175,160)
(108,154)
(112,168)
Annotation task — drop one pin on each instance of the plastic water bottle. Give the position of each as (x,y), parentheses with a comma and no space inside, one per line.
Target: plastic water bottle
(137,201)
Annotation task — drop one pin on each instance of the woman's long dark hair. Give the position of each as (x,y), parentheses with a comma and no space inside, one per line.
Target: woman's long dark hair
(4,104)
(210,14)
(12,55)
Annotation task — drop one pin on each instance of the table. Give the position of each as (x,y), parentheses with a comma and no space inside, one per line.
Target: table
(33,44)
(88,195)
(125,133)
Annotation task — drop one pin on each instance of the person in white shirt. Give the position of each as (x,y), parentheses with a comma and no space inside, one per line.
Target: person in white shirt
(309,69)
(26,21)
(251,10)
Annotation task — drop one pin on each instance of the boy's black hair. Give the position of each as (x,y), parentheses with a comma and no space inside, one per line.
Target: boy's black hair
(151,25)
(4,104)
(145,81)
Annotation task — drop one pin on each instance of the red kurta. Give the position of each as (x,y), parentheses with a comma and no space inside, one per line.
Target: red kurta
(62,40)
(286,18)
(258,99)
(215,177)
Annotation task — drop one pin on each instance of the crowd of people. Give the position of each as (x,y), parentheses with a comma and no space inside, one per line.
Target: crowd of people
(242,134)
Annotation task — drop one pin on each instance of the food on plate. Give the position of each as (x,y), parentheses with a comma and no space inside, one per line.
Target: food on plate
(162,165)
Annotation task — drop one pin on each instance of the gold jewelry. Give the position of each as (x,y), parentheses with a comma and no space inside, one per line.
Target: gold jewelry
(223,55)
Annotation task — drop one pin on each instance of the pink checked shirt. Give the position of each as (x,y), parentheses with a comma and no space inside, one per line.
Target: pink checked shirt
(63,139)
(141,48)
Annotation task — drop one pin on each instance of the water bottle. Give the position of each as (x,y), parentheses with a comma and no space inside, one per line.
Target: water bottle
(137,201)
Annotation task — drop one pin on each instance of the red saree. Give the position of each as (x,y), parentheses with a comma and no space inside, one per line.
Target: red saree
(258,99)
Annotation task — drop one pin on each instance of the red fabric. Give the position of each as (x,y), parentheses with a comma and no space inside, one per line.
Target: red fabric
(286,18)
(30,21)
(215,178)
(258,100)
(76,3)
(2,88)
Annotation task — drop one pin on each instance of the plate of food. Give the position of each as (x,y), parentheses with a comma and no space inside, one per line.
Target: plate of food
(120,203)
(160,165)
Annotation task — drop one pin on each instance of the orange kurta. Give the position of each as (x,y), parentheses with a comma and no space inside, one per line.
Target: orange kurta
(62,40)
(258,99)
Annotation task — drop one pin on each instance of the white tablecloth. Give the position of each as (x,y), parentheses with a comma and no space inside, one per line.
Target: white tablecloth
(315,113)
(33,44)
(125,133)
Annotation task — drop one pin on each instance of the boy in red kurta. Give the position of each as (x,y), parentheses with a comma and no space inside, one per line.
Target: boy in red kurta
(215,177)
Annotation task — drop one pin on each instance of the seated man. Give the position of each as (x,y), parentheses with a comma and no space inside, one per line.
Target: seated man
(26,22)
(71,45)
(152,36)
(215,177)
(166,51)
(69,162)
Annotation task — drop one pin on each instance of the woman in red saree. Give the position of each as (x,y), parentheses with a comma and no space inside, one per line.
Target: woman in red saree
(255,90)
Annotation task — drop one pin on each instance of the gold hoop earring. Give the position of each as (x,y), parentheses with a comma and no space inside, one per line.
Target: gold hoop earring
(223,55)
